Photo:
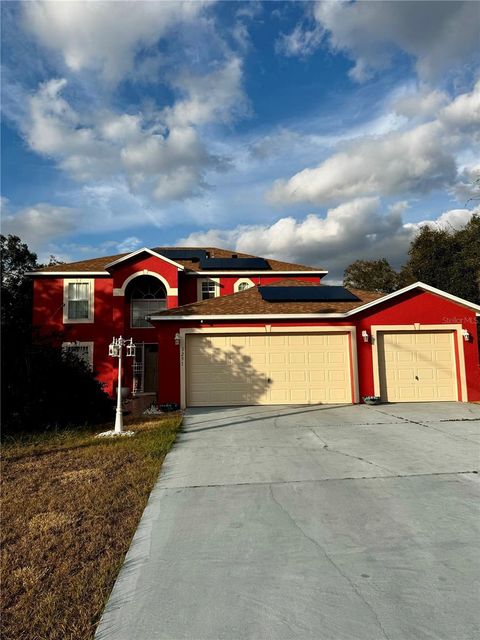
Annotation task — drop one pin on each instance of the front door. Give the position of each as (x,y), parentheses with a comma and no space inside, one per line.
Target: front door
(145,368)
(151,368)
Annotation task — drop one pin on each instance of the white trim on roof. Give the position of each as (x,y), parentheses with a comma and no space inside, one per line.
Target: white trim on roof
(145,250)
(68,273)
(259,272)
(251,316)
(347,314)
(417,285)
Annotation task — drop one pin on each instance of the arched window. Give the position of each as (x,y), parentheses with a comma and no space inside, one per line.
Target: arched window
(147,296)
(242,283)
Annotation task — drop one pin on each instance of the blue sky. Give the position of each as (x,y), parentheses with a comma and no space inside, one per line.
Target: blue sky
(318,132)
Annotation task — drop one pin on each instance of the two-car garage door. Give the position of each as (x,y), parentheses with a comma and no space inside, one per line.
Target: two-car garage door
(268,368)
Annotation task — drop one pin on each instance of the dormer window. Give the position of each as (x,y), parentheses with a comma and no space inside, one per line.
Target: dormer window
(242,284)
(147,296)
(208,288)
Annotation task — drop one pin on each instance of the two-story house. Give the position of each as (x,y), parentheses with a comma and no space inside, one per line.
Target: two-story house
(216,327)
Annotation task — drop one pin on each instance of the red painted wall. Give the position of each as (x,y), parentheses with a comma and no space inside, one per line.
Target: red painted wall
(48,319)
(149,263)
(425,308)
(422,307)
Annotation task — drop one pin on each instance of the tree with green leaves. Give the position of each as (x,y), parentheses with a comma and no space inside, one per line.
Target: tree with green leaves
(42,386)
(16,287)
(371,275)
(448,259)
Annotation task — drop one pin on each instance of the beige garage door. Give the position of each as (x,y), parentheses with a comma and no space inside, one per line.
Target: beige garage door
(417,366)
(267,369)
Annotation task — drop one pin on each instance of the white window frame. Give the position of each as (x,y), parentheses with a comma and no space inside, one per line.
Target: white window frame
(68,345)
(200,282)
(91,289)
(240,281)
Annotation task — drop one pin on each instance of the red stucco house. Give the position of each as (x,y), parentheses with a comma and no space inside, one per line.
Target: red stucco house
(214,327)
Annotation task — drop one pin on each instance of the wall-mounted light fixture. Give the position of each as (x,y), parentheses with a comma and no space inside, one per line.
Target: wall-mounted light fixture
(365,336)
(466,335)
(177,339)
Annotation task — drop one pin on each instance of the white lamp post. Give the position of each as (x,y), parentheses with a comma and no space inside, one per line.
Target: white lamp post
(115,349)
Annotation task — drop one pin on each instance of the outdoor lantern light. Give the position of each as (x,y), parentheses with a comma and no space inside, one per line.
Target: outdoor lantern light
(177,339)
(115,349)
(365,336)
(466,335)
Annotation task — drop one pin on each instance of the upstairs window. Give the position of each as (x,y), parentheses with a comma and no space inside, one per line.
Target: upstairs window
(78,301)
(208,288)
(147,297)
(242,284)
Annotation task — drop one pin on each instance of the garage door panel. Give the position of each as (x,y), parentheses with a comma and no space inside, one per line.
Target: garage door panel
(298,376)
(417,366)
(337,376)
(315,358)
(297,357)
(302,369)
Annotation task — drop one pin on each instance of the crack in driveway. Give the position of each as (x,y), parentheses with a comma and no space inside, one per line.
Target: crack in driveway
(327,447)
(428,426)
(353,586)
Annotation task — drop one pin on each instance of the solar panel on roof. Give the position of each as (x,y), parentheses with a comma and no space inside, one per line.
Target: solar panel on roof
(307,294)
(183,254)
(233,263)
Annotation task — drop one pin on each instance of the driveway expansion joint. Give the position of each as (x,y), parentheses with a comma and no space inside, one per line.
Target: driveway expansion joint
(318,480)
(428,426)
(331,561)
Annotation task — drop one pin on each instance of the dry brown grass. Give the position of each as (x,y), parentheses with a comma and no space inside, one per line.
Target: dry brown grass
(70,506)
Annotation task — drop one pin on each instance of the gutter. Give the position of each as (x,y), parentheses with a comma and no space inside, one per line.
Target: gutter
(75,274)
(254,316)
(256,273)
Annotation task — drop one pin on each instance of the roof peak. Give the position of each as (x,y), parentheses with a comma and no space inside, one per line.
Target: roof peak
(97,266)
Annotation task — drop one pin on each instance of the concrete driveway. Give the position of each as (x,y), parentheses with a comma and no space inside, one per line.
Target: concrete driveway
(320,522)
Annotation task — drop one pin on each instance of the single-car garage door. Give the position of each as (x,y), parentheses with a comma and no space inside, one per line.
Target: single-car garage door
(417,366)
(293,368)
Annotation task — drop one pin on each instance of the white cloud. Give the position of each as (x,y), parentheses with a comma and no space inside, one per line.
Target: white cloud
(300,42)
(412,161)
(105,36)
(39,224)
(420,104)
(467,187)
(464,111)
(416,160)
(129,244)
(439,36)
(453,219)
(353,230)
(216,96)
(161,153)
